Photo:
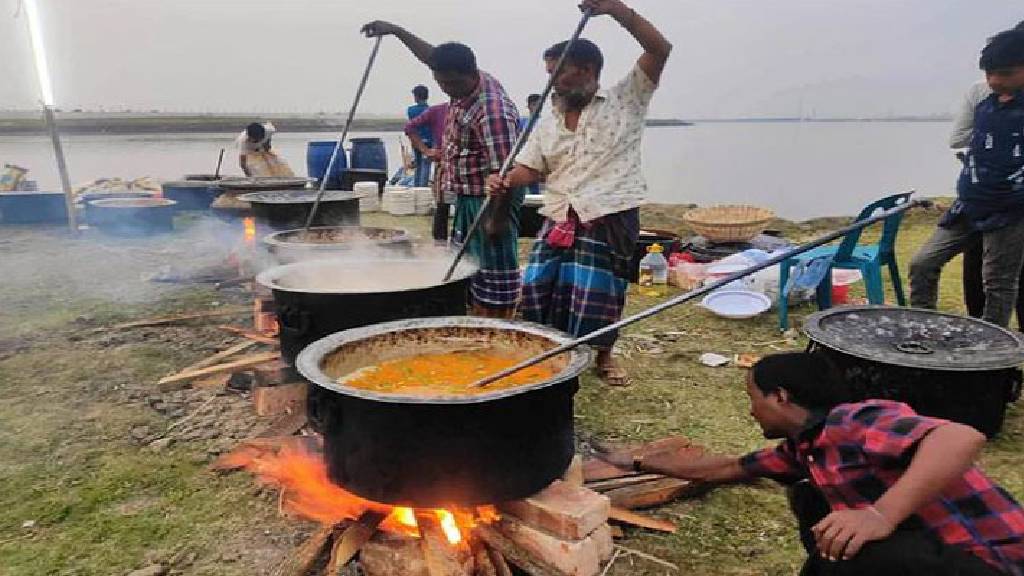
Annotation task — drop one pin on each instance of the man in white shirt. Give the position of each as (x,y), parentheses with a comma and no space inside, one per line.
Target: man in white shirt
(588,153)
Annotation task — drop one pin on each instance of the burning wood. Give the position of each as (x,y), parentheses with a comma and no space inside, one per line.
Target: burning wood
(353,539)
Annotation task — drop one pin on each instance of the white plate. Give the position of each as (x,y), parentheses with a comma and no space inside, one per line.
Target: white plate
(736,304)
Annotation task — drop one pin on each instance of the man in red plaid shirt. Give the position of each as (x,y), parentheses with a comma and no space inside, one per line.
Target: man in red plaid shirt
(481,127)
(877,488)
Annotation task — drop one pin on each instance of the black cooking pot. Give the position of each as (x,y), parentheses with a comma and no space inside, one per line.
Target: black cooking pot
(335,241)
(132,216)
(229,207)
(430,452)
(315,298)
(33,207)
(289,209)
(942,365)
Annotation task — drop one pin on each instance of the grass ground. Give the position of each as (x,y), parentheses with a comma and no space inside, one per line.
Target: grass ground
(78,497)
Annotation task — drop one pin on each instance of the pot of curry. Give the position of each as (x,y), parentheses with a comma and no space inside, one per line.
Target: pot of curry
(402,425)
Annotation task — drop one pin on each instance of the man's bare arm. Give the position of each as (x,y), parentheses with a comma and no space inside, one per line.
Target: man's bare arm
(420,48)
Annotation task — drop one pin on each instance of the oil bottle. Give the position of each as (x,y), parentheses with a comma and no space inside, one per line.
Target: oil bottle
(654,267)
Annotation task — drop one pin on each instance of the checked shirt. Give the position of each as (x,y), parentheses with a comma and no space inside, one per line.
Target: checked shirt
(858,451)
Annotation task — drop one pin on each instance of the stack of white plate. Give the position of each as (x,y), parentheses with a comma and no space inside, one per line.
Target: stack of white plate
(369,192)
(424,199)
(399,201)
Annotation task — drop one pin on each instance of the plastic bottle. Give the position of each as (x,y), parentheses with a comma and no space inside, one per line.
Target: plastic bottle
(654,267)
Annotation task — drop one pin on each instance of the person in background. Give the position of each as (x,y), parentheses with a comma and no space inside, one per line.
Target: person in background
(255,155)
(876,488)
(433,122)
(963,128)
(990,191)
(532,105)
(588,151)
(481,128)
(421,93)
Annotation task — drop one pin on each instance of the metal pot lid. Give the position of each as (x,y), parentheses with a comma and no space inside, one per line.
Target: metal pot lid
(915,338)
(265,182)
(309,360)
(133,203)
(299,196)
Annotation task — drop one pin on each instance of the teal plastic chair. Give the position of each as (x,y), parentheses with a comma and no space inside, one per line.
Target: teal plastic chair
(869,260)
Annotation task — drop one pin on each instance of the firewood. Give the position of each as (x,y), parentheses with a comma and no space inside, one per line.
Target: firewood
(305,557)
(180,318)
(595,469)
(482,564)
(613,483)
(443,558)
(508,549)
(254,336)
(498,561)
(574,474)
(651,494)
(216,358)
(205,362)
(286,426)
(245,362)
(353,539)
(628,517)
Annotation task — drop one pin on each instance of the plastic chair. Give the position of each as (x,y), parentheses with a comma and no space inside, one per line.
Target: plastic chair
(869,260)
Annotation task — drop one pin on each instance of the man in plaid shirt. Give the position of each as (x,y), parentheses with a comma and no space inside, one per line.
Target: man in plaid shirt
(481,128)
(877,488)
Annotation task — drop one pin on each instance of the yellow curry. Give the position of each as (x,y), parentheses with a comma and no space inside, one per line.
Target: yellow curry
(443,374)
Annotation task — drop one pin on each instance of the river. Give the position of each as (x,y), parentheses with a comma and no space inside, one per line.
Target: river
(798,169)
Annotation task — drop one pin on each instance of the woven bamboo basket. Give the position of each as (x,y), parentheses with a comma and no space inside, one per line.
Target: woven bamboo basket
(737,223)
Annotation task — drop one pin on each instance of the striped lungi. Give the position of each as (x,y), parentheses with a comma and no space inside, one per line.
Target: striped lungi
(496,285)
(582,288)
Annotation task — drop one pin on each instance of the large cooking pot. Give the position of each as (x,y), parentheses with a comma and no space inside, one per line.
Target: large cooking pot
(432,452)
(335,241)
(289,209)
(315,298)
(132,216)
(943,365)
(191,194)
(228,205)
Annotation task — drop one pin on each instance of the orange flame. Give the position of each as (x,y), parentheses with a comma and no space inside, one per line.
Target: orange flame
(250,229)
(309,493)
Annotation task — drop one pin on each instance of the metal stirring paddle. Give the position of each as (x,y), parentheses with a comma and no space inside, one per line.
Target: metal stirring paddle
(820,241)
(344,134)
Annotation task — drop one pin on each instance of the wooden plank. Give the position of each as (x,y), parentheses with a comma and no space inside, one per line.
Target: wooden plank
(498,561)
(613,483)
(574,474)
(277,400)
(245,362)
(353,539)
(285,426)
(180,318)
(651,494)
(305,557)
(596,469)
(216,358)
(443,558)
(254,336)
(513,553)
(629,517)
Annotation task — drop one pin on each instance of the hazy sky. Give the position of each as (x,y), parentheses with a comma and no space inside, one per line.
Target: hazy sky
(732,57)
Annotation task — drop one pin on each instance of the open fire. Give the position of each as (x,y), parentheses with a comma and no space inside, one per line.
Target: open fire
(307,492)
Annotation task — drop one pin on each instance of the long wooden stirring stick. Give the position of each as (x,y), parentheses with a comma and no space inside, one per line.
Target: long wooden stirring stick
(820,241)
(344,134)
(520,142)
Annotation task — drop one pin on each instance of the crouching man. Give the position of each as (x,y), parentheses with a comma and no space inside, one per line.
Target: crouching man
(876,488)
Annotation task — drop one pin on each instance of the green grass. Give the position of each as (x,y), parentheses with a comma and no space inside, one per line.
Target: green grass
(103,505)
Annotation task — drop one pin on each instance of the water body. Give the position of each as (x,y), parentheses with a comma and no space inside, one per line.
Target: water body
(798,169)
